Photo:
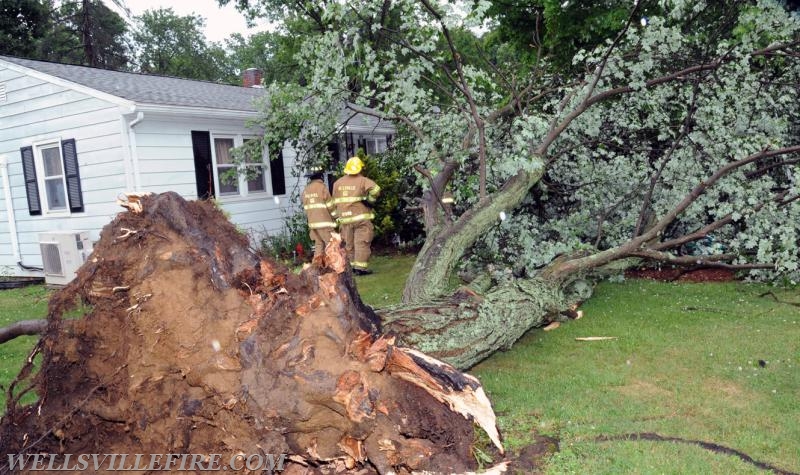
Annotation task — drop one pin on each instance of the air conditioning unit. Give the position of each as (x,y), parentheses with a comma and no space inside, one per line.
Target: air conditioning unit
(63,252)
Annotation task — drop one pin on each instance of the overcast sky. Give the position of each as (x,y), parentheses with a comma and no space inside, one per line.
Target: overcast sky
(220,22)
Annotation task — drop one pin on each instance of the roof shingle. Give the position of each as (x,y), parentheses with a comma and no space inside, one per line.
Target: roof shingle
(150,89)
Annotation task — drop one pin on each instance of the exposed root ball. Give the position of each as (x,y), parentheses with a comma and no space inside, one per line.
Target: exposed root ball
(188,343)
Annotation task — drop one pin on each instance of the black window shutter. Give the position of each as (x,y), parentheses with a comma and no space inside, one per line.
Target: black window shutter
(203,175)
(72,175)
(276,174)
(31,185)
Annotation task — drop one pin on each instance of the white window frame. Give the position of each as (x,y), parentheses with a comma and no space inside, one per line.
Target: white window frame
(265,171)
(41,180)
(380,143)
(243,191)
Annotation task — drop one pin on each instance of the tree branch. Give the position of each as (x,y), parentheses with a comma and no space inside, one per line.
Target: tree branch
(667,156)
(22,327)
(714,260)
(559,270)
(700,188)
(466,90)
(557,128)
(760,171)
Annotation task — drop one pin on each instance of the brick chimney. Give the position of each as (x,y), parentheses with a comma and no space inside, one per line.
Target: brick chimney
(252,77)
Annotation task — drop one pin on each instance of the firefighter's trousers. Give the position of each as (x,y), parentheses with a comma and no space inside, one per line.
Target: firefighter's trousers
(321,238)
(357,239)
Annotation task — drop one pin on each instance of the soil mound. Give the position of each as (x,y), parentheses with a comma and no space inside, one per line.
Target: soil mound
(176,338)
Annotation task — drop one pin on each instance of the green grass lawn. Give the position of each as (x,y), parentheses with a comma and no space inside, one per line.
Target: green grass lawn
(708,362)
(711,362)
(18,304)
(685,364)
(385,285)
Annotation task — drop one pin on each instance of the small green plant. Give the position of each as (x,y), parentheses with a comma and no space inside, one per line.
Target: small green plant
(283,246)
(482,458)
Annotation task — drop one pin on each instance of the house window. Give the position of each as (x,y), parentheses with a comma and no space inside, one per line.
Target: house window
(227,183)
(229,176)
(52,181)
(256,168)
(375,145)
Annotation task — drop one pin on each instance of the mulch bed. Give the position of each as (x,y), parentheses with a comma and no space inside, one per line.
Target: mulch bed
(18,282)
(670,274)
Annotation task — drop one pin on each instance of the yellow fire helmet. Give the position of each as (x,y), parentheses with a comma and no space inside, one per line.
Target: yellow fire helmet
(353,166)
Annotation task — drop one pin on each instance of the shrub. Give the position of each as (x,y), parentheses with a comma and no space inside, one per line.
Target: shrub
(394,219)
(283,246)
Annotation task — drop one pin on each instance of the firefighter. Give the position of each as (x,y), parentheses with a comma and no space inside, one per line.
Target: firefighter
(354,196)
(318,205)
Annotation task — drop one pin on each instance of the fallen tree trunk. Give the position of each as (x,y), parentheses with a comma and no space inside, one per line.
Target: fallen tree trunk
(192,345)
(468,327)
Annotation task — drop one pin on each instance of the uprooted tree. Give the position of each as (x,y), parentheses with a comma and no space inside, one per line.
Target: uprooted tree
(683,127)
(187,343)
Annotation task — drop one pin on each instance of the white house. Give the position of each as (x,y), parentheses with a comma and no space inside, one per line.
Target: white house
(73,138)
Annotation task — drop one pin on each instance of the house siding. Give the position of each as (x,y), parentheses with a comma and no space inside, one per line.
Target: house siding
(37,110)
(166,163)
(155,155)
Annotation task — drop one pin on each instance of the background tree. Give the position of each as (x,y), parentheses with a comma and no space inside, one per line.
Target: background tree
(559,28)
(173,45)
(87,32)
(23,25)
(271,51)
(76,32)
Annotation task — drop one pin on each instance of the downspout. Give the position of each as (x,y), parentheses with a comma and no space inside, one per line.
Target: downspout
(127,160)
(12,220)
(137,181)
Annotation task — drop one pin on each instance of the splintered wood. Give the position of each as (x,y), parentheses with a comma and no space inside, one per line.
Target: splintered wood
(460,391)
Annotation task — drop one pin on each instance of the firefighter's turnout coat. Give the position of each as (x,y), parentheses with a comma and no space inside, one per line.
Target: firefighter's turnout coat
(353,196)
(318,205)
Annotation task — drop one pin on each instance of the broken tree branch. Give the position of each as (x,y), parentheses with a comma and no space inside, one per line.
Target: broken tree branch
(22,327)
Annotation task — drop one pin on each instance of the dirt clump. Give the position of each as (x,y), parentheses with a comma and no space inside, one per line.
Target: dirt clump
(187,342)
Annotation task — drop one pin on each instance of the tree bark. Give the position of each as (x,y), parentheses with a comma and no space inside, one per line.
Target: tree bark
(430,275)
(22,327)
(467,327)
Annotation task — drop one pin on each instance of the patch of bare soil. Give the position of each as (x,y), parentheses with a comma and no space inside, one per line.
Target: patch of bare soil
(531,458)
(192,344)
(670,274)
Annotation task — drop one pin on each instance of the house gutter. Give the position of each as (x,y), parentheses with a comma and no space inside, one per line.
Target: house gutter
(12,220)
(355,129)
(197,112)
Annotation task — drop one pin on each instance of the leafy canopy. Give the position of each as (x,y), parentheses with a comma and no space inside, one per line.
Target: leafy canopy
(657,135)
